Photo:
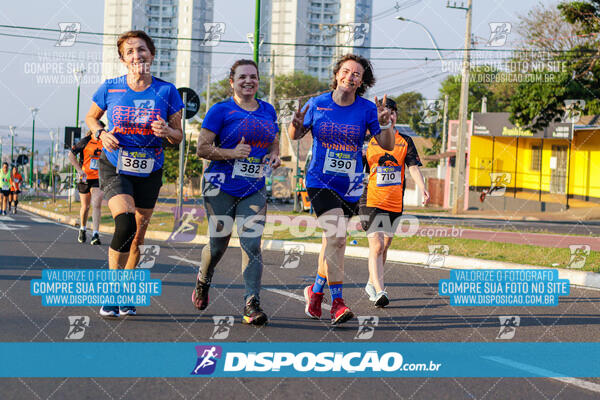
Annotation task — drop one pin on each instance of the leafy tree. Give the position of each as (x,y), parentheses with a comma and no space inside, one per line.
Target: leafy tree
(171,165)
(409,104)
(569,72)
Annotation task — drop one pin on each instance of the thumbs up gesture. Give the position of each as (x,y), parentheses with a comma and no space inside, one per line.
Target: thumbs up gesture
(242,150)
(160,127)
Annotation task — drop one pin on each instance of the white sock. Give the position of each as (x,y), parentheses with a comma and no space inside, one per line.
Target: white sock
(95,233)
(82,228)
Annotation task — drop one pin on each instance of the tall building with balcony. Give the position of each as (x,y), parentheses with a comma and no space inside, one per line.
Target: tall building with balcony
(311,34)
(182,62)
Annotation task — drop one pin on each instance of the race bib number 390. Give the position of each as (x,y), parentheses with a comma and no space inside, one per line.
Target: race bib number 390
(248,168)
(389,176)
(136,162)
(339,163)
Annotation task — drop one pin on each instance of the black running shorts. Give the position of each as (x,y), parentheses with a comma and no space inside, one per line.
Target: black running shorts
(144,190)
(85,187)
(324,200)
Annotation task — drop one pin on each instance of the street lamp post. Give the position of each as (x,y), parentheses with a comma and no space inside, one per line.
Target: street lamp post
(34,112)
(437,48)
(78,76)
(12,143)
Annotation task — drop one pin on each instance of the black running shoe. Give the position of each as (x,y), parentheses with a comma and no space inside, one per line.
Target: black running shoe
(200,295)
(81,236)
(381,300)
(95,240)
(253,314)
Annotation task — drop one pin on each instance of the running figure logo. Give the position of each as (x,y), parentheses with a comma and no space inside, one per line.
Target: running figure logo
(499,183)
(430,111)
(68,33)
(499,32)
(287,109)
(212,183)
(573,110)
(207,359)
(77,325)
(356,186)
(186,227)
(366,327)
(148,254)
(437,255)
(355,33)
(222,327)
(292,255)
(508,327)
(212,33)
(579,254)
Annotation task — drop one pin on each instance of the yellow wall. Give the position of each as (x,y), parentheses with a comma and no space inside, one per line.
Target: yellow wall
(584,170)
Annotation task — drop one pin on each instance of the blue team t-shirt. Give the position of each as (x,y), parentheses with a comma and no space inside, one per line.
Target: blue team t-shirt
(131,114)
(230,123)
(338,135)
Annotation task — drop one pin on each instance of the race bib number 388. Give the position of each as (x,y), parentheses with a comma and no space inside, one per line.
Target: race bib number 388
(248,168)
(389,176)
(136,162)
(339,163)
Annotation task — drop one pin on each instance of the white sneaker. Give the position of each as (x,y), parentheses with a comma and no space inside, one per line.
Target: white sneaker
(370,289)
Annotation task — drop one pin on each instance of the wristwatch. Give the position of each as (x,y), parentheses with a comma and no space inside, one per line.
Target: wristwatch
(98,132)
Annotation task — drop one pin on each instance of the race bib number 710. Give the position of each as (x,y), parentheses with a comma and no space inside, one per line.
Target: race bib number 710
(389,175)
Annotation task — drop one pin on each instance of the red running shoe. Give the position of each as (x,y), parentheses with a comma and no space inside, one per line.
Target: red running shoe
(313,302)
(339,312)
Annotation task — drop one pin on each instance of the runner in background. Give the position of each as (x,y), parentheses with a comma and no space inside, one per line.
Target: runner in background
(339,121)
(381,204)
(239,136)
(4,187)
(84,157)
(142,111)
(15,188)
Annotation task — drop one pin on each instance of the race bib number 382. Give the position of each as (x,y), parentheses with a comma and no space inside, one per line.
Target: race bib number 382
(136,162)
(248,168)
(339,162)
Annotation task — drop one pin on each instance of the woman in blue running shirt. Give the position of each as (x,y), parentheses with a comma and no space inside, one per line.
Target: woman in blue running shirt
(239,137)
(142,112)
(339,121)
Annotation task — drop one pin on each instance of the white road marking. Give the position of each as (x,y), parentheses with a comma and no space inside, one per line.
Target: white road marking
(594,387)
(278,291)
(11,227)
(6,218)
(41,220)
(195,263)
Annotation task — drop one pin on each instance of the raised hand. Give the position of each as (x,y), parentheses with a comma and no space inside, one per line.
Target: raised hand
(298,121)
(160,128)
(383,113)
(242,150)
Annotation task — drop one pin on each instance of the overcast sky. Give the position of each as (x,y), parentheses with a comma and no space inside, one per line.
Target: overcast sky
(35,73)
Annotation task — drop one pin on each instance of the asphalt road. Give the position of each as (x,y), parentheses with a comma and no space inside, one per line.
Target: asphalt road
(416,314)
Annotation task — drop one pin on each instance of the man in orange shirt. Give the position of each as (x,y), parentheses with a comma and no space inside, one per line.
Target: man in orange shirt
(381,204)
(88,149)
(15,188)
